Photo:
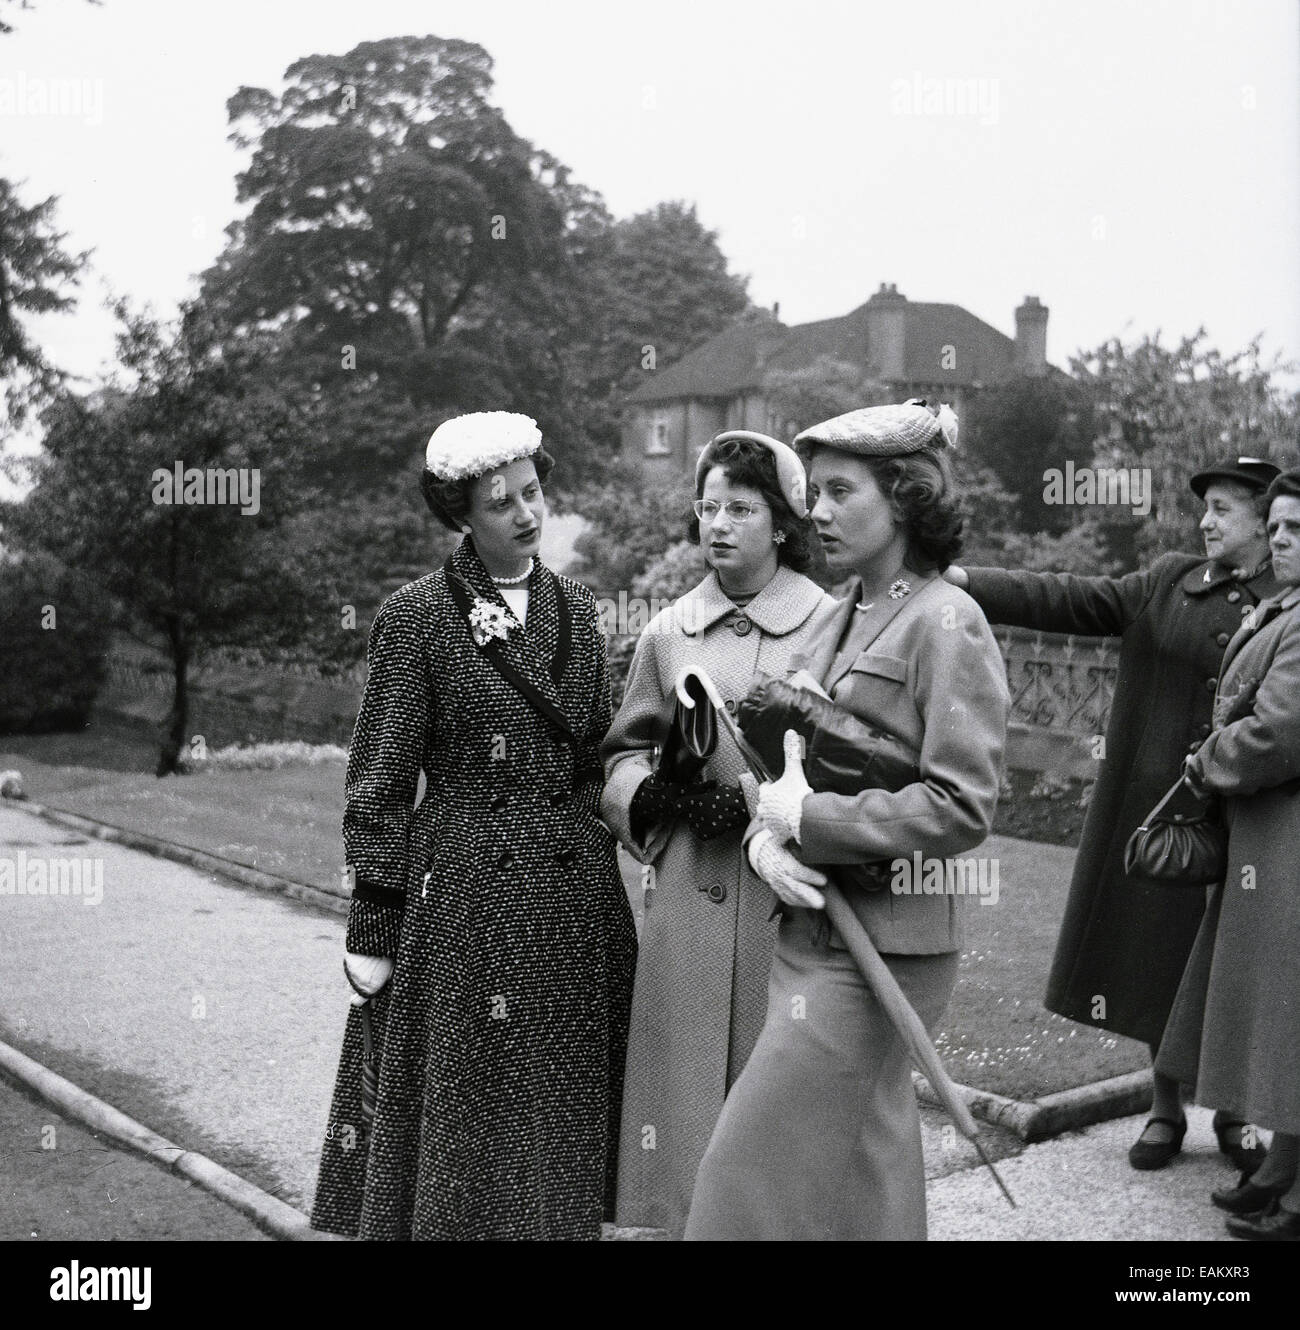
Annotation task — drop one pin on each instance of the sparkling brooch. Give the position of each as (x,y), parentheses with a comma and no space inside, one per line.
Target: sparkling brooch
(899,589)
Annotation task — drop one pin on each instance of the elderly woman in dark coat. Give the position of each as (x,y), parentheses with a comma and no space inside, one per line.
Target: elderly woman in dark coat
(489,926)
(1124,941)
(706,945)
(1234,1032)
(820,1137)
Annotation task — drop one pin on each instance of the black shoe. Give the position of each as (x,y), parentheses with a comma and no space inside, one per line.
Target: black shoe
(1271,1225)
(1246,1198)
(1247,1160)
(1146,1155)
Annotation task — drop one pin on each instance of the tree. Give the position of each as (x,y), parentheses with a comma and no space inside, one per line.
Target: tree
(34,272)
(1022,428)
(208,563)
(1175,410)
(827,387)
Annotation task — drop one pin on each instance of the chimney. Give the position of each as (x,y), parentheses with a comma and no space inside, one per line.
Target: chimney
(1031,337)
(887,332)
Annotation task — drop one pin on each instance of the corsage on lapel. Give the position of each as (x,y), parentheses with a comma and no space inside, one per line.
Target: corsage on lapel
(488,621)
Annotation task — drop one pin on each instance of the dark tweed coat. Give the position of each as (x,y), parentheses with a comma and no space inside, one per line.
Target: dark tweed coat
(503,1031)
(1127,940)
(1234,1032)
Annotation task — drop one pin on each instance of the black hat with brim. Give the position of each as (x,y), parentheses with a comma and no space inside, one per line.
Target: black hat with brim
(1253,472)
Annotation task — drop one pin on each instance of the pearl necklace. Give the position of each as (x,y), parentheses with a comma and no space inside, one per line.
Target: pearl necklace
(511,581)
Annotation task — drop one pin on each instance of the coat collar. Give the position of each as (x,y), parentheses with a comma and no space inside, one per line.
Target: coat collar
(782,606)
(1207,576)
(1287,598)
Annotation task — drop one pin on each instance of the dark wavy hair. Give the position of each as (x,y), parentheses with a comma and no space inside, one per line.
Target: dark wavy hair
(1285,485)
(745,462)
(450,500)
(923,494)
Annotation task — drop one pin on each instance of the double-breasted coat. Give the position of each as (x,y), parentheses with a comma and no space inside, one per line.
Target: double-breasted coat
(1234,1032)
(706,943)
(820,1137)
(501,1035)
(1126,940)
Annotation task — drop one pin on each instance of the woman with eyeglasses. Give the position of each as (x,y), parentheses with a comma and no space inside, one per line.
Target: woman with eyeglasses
(706,945)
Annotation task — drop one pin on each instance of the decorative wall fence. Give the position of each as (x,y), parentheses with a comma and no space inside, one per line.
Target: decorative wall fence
(1061,691)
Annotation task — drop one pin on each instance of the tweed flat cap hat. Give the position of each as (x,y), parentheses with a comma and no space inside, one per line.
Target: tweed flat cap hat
(481,441)
(885,431)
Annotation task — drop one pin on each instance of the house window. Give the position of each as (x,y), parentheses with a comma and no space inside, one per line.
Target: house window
(657,444)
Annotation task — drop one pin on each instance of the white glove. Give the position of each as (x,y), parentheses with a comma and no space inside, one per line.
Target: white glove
(780,802)
(794,882)
(369,974)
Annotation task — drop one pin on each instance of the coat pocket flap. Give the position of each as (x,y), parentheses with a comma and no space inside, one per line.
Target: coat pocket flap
(885,667)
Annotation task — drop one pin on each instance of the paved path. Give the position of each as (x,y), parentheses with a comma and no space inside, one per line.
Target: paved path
(212,1013)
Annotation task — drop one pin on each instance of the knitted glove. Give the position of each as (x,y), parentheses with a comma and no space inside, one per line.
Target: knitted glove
(654,802)
(794,882)
(366,974)
(780,802)
(711,809)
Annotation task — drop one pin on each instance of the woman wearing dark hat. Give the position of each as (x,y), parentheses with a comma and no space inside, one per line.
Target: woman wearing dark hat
(1124,941)
(489,927)
(1234,1032)
(706,944)
(820,1137)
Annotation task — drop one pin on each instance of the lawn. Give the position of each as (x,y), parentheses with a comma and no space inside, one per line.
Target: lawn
(996,1035)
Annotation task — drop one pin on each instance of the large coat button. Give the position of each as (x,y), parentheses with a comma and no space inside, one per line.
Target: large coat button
(565,858)
(559,798)
(1234,596)
(506,860)
(742,627)
(717,893)
(1211,684)
(1223,639)
(499,804)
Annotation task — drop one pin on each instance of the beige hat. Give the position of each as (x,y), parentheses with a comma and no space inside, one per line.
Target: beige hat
(789,469)
(885,431)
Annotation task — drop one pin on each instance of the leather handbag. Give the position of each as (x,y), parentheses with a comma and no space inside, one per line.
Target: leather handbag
(692,736)
(1183,840)
(843,755)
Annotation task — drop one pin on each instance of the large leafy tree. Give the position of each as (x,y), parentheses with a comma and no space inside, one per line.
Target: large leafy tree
(194,575)
(414,254)
(1176,409)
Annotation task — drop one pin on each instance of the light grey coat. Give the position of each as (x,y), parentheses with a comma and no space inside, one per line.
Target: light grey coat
(701,980)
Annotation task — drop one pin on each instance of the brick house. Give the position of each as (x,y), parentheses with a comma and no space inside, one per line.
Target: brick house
(921,349)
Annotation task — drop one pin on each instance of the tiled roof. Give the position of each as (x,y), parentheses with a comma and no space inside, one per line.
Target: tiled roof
(737,358)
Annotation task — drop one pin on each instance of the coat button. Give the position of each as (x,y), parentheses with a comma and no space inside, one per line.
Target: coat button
(1223,639)
(499,804)
(565,858)
(1211,684)
(506,860)
(717,893)
(742,627)
(1204,731)
(1234,596)
(558,799)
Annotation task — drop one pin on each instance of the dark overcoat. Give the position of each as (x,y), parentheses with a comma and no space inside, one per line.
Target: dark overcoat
(1234,1032)
(1124,941)
(502,1033)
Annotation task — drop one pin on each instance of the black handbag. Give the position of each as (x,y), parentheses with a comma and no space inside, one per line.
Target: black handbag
(843,755)
(692,737)
(1183,840)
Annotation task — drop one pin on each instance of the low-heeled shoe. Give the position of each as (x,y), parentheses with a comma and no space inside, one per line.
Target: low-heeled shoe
(1147,1155)
(1247,1159)
(1246,1198)
(1272,1225)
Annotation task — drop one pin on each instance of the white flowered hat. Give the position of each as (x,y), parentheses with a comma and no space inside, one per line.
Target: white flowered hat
(885,431)
(481,441)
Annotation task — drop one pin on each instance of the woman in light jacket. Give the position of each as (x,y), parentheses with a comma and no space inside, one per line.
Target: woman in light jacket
(821,1137)
(1234,1032)
(701,982)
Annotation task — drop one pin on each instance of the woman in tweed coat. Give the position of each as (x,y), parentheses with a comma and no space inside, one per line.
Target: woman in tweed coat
(706,945)
(495,903)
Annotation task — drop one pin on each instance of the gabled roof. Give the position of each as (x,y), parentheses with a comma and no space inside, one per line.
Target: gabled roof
(737,359)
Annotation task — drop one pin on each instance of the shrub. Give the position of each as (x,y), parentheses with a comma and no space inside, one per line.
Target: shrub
(270,756)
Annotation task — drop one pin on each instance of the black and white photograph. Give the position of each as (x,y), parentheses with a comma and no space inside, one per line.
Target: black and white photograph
(650,624)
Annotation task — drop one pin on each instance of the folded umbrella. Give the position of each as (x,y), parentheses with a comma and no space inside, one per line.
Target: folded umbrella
(691,684)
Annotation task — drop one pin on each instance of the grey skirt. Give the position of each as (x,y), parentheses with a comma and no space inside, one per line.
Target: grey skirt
(820,1138)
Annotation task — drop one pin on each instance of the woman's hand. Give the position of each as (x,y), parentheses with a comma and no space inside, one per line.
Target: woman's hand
(366,974)
(778,804)
(957,576)
(711,809)
(794,882)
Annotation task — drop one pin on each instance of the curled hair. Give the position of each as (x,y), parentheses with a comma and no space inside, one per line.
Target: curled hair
(745,462)
(450,500)
(922,493)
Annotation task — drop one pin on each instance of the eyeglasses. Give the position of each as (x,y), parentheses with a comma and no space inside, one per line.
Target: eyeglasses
(738,510)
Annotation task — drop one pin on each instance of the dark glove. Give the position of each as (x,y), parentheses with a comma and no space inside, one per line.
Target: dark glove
(655,802)
(711,809)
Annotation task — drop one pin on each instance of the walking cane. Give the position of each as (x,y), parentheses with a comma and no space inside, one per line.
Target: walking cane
(874,970)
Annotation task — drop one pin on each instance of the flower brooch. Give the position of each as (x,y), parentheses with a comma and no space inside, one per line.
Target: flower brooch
(488,621)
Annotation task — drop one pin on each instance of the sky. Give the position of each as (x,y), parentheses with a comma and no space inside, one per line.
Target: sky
(1136,166)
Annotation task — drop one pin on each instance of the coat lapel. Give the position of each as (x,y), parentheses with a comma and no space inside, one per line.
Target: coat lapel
(531,659)
(874,622)
(1263,613)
